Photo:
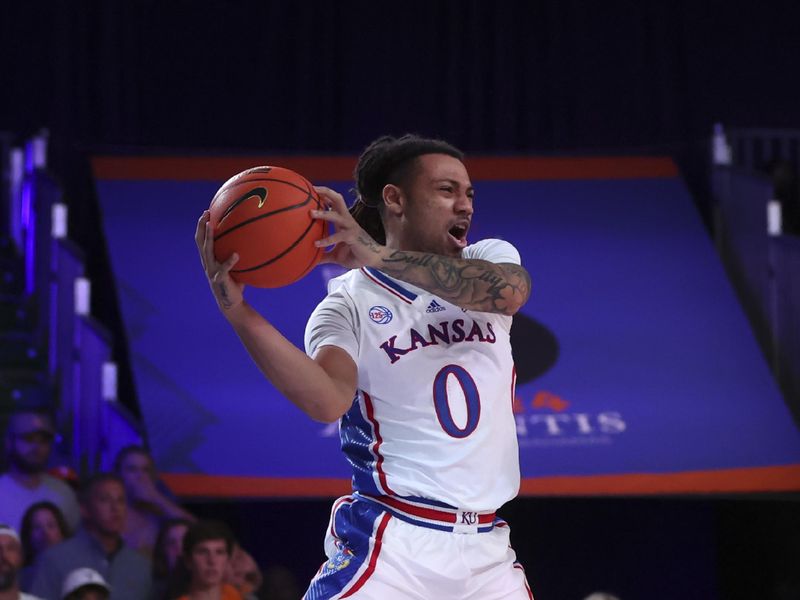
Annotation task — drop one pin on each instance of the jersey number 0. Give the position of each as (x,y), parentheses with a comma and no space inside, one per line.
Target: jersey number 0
(441,401)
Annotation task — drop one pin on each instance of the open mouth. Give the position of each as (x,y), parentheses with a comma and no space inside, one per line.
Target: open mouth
(459,233)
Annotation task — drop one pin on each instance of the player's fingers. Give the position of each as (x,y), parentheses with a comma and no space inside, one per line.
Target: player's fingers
(229,263)
(201,246)
(326,191)
(200,231)
(225,267)
(208,247)
(331,240)
(331,198)
(327,215)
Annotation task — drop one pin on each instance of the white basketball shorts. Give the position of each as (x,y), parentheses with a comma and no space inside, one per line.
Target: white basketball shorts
(389,548)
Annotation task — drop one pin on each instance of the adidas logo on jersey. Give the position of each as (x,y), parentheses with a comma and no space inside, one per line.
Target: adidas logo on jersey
(434,306)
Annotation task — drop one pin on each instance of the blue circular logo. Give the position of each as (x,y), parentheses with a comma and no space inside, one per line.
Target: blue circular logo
(380,315)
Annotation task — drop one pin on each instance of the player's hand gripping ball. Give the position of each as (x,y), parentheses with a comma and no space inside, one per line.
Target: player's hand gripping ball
(262,214)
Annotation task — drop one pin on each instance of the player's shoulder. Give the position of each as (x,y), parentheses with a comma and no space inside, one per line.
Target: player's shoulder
(342,290)
(343,285)
(353,283)
(493,250)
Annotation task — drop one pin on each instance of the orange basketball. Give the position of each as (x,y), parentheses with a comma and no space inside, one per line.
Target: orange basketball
(263,215)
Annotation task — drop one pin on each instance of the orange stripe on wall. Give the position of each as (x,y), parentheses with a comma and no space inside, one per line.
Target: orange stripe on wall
(759,479)
(755,479)
(327,168)
(606,167)
(231,486)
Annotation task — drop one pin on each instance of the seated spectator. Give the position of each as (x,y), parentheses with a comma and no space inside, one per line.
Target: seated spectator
(85,584)
(243,573)
(207,549)
(147,505)
(10,564)
(28,444)
(167,554)
(97,545)
(43,526)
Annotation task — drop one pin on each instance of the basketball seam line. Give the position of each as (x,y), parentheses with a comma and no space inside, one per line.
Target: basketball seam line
(264,216)
(238,183)
(273,259)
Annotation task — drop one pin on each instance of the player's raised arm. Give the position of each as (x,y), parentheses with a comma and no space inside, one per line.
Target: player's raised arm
(323,388)
(469,283)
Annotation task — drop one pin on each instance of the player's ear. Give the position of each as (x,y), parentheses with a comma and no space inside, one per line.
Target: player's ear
(393,199)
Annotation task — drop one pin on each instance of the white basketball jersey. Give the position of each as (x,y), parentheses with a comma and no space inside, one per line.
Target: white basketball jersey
(432,417)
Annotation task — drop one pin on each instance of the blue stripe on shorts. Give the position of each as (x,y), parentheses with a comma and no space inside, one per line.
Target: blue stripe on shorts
(354,524)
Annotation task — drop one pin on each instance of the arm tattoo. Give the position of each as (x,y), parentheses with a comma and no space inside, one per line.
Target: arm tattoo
(468,283)
(224,298)
(367,241)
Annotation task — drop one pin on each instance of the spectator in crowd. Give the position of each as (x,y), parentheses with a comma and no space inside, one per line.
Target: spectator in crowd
(147,504)
(85,584)
(167,555)
(97,545)
(28,444)
(10,565)
(43,525)
(207,549)
(243,573)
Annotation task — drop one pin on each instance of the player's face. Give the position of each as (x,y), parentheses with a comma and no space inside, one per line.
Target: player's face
(438,209)
(45,531)
(208,562)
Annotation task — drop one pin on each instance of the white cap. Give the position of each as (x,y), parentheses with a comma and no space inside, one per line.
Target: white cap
(81,577)
(9,531)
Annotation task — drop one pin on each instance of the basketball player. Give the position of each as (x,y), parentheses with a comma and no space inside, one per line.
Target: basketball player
(410,352)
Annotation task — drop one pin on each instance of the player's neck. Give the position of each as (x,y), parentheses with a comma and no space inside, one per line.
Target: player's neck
(397,241)
(392,241)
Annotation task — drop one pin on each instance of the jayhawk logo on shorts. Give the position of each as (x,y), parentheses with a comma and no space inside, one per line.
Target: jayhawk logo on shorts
(339,562)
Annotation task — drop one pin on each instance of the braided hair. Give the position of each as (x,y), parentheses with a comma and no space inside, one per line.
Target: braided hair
(389,160)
